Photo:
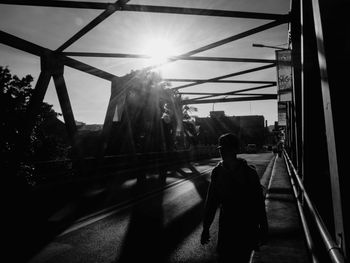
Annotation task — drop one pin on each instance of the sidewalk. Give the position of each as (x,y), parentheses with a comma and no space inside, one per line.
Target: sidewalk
(286,242)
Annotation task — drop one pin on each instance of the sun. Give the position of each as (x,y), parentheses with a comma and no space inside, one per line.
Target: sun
(159,50)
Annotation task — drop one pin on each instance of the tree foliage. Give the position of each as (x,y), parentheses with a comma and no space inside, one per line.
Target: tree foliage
(14,99)
(18,145)
(153,115)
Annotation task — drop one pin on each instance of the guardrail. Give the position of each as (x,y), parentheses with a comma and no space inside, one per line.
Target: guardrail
(300,193)
(53,171)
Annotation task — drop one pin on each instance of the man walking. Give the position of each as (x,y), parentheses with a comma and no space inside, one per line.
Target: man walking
(236,189)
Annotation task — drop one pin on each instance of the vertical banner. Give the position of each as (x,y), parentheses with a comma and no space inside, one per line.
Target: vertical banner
(282,113)
(284,74)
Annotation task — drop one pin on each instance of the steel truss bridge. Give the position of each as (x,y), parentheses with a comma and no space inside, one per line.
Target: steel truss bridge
(314,132)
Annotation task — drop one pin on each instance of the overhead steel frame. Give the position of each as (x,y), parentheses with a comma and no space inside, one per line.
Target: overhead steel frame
(53,61)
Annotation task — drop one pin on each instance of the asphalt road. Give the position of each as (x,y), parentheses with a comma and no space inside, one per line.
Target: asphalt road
(145,223)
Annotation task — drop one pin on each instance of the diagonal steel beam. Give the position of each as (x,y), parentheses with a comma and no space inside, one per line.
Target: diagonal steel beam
(236,37)
(225,76)
(142,56)
(34,49)
(267,97)
(202,12)
(66,108)
(21,44)
(87,68)
(226,40)
(55,3)
(100,18)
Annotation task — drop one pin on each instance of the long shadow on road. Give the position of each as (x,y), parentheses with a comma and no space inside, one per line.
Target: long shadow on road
(147,238)
(144,235)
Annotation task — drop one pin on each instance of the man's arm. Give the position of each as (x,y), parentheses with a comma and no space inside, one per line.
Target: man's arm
(263,224)
(211,205)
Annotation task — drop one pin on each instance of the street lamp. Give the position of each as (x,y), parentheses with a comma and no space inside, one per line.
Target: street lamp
(274,47)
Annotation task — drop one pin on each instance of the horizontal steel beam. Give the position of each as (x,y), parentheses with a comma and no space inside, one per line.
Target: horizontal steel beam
(125,55)
(223,94)
(147,8)
(236,91)
(253,98)
(222,81)
(225,76)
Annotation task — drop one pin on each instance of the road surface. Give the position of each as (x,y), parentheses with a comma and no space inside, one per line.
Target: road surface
(151,225)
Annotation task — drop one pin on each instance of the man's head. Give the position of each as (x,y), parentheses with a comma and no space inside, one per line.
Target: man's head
(228,144)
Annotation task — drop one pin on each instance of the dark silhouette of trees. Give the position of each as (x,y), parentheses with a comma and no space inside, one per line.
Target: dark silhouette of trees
(19,147)
(152,115)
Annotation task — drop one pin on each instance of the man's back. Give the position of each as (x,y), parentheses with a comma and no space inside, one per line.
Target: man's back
(236,189)
(237,192)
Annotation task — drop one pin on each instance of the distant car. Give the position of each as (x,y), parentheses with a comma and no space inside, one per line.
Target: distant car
(251,148)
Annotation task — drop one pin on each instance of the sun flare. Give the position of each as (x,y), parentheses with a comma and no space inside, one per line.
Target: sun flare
(159,50)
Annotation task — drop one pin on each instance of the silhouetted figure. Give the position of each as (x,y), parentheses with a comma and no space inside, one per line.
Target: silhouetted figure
(280,147)
(168,128)
(236,189)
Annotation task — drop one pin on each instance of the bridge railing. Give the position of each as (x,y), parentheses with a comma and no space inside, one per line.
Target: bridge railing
(304,202)
(63,170)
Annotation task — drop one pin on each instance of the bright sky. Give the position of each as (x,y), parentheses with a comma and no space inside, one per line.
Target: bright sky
(134,32)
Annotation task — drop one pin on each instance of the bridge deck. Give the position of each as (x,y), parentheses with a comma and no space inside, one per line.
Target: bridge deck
(165,223)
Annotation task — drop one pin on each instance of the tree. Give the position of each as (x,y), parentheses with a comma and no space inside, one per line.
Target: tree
(18,145)
(153,116)
(142,127)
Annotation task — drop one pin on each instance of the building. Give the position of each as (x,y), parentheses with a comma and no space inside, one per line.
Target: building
(251,129)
